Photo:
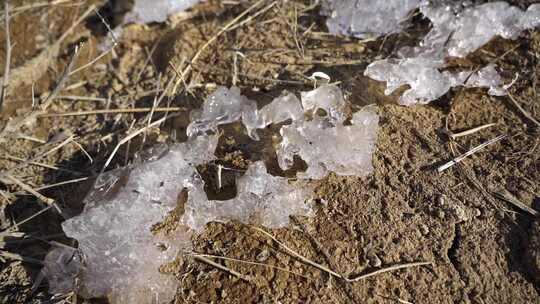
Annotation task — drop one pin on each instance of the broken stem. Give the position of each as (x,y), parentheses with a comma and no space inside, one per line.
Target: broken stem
(219,266)
(470,131)
(5,79)
(470,152)
(112,111)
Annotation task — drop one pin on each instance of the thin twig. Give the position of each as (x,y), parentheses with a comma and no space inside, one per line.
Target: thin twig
(248,262)
(525,113)
(387,269)
(470,131)
(219,266)
(470,152)
(5,79)
(112,111)
(299,256)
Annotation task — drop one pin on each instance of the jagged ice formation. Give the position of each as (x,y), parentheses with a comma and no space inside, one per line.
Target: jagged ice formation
(456,32)
(119,256)
(458,29)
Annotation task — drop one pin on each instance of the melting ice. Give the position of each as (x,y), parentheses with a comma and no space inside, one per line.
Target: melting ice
(119,256)
(146,11)
(458,29)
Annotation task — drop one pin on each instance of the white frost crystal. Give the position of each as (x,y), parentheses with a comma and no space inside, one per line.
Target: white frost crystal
(119,256)
(146,11)
(453,34)
(367,18)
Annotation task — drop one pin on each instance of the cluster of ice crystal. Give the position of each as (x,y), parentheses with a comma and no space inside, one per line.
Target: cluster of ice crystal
(146,11)
(324,142)
(119,256)
(223,107)
(367,18)
(456,32)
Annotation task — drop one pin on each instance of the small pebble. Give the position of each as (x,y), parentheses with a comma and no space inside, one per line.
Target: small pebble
(424,229)
(441,214)
(374,260)
(263,255)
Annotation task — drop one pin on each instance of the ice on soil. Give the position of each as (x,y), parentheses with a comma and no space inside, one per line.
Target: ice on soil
(262,199)
(325,142)
(458,29)
(147,11)
(119,256)
(367,18)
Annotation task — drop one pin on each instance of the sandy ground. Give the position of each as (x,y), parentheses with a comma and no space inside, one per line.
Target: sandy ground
(483,249)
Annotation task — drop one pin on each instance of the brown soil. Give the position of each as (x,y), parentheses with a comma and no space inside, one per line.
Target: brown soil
(483,249)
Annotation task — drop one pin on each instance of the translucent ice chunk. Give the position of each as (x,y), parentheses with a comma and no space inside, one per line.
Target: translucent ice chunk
(367,18)
(328,98)
(456,32)
(325,143)
(118,255)
(146,11)
(279,110)
(223,107)
(422,75)
(121,254)
(262,199)
(488,77)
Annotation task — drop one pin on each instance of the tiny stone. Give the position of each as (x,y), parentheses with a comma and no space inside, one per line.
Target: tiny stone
(441,214)
(263,255)
(374,260)
(424,229)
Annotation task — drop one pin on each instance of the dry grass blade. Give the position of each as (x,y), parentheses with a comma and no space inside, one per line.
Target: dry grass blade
(18,257)
(128,138)
(299,256)
(63,79)
(219,266)
(34,159)
(387,269)
(470,152)
(29,189)
(508,197)
(8,231)
(5,79)
(470,131)
(113,111)
(525,113)
(35,68)
(248,262)
(335,274)
(22,8)
(103,54)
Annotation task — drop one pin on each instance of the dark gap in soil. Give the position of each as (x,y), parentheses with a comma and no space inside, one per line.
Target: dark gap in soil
(452,252)
(516,239)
